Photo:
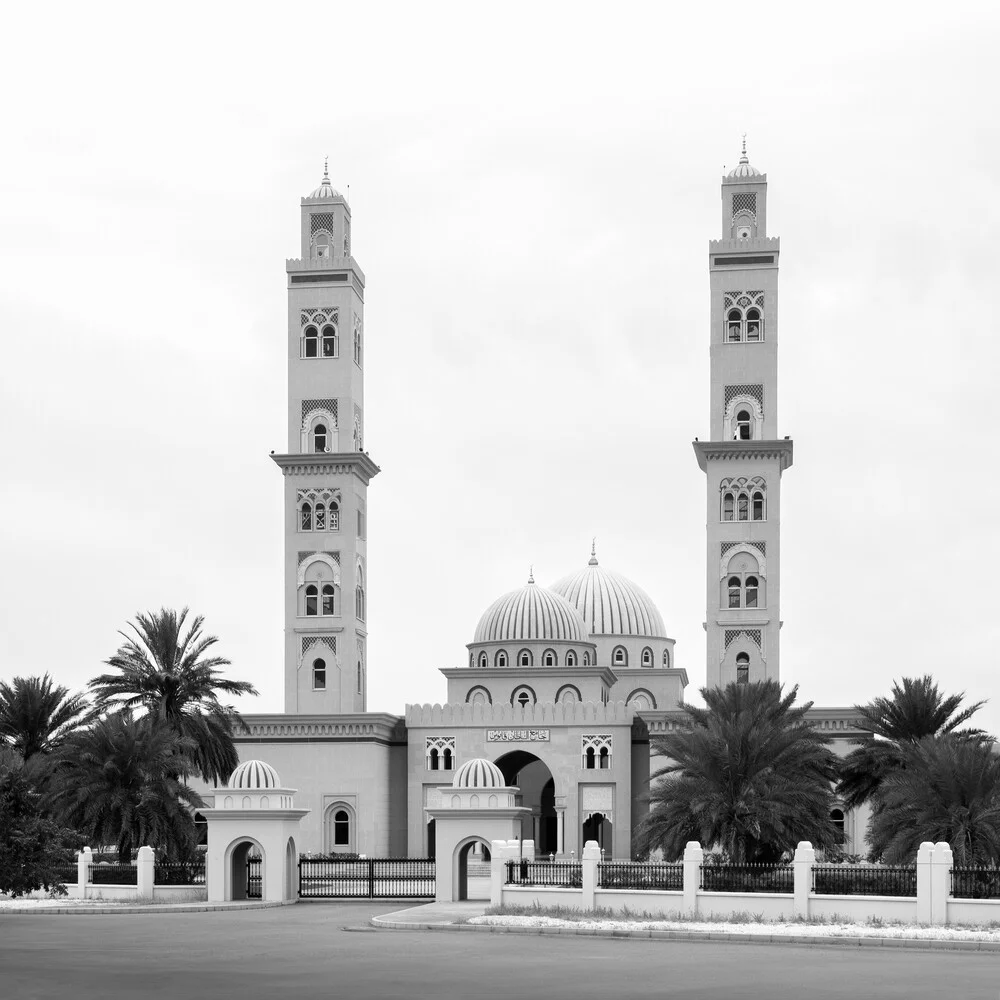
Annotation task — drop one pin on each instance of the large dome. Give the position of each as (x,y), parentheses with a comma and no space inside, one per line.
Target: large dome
(479,773)
(253,774)
(531,613)
(609,603)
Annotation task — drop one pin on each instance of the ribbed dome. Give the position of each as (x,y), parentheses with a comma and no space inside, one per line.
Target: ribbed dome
(325,189)
(530,613)
(479,773)
(609,603)
(743,168)
(254,774)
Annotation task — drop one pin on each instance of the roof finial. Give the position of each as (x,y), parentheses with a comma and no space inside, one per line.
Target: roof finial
(531,574)
(326,167)
(743,155)
(593,552)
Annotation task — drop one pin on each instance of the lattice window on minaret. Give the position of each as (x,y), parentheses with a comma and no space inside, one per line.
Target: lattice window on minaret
(319,426)
(308,641)
(745,201)
(743,416)
(321,234)
(320,338)
(744,317)
(596,751)
(439,753)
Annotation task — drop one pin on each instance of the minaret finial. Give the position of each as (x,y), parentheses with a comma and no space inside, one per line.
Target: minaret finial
(744,144)
(326,167)
(593,552)
(531,574)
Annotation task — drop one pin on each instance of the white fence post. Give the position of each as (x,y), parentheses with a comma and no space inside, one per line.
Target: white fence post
(83,862)
(590,858)
(498,870)
(924,856)
(941,863)
(802,867)
(694,857)
(144,873)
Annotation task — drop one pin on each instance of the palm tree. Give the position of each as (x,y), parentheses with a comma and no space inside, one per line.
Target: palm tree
(120,782)
(916,710)
(948,789)
(36,716)
(164,670)
(748,774)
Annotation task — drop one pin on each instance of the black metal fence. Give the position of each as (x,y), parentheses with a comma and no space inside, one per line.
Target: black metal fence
(66,873)
(254,885)
(107,873)
(367,878)
(747,878)
(865,880)
(625,875)
(566,874)
(975,883)
(179,873)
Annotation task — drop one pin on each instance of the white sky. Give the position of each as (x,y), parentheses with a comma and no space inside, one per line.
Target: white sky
(533,188)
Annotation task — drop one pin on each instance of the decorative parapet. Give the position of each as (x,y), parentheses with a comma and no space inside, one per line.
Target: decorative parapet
(359,726)
(536,716)
(769,243)
(837,721)
(333,464)
(716,450)
(299,265)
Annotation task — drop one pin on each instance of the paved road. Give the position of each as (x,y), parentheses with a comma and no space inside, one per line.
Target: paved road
(309,950)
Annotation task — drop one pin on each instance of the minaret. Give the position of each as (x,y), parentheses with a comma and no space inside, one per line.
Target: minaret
(744,458)
(326,469)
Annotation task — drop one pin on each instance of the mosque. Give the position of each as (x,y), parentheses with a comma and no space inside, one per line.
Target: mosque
(564,685)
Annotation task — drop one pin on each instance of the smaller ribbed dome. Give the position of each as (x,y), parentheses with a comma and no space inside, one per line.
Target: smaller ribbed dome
(531,613)
(253,774)
(479,773)
(325,189)
(743,168)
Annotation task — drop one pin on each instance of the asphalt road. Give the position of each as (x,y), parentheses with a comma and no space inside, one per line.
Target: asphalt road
(326,950)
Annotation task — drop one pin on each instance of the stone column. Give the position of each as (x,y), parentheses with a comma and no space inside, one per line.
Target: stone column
(499,853)
(694,856)
(83,862)
(560,831)
(144,873)
(924,855)
(591,858)
(802,866)
(941,863)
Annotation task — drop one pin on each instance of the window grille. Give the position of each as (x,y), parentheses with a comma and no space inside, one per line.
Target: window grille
(329,405)
(596,750)
(753,391)
(320,222)
(745,201)
(308,641)
(325,314)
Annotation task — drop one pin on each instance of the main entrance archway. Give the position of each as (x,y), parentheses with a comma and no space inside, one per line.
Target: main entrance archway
(537,792)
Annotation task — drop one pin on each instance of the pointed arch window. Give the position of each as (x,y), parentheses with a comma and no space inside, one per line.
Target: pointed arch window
(620,657)
(742,668)
(319,675)
(647,657)
(586,657)
(312,599)
(310,342)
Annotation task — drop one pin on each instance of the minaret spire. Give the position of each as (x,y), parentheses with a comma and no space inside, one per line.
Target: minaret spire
(593,552)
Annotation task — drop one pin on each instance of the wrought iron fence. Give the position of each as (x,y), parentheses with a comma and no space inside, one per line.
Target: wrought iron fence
(629,875)
(567,874)
(865,880)
(179,873)
(66,873)
(747,878)
(975,883)
(367,878)
(108,873)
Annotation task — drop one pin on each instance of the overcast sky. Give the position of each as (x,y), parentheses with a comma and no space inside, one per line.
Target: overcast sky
(533,189)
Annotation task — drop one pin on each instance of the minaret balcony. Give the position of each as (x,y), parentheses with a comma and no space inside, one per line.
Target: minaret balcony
(707,451)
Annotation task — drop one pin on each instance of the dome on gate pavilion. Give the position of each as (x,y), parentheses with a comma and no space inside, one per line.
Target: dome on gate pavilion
(609,603)
(254,774)
(531,613)
(479,773)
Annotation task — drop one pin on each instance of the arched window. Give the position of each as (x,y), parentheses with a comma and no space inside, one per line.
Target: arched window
(478,696)
(620,657)
(319,438)
(837,819)
(742,668)
(447,760)
(435,760)
(750,592)
(329,599)
(483,661)
(734,326)
(744,425)
(641,699)
(330,342)
(306,521)
(549,658)
(734,591)
(357,347)
(590,763)
(524,658)
(341,828)
(728,506)
(571,658)
(334,515)
(586,657)
(647,657)
(758,505)
(754,325)
(319,675)
(523,696)
(501,658)
(311,342)
(359,596)
(321,517)
(360,677)
(568,694)
(666,657)
(743,506)
(605,759)
(312,599)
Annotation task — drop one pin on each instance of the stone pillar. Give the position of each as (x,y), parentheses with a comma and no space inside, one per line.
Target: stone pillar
(528,850)
(924,855)
(144,873)
(536,825)
(83,862)
(802,866)
(499,854)
(694,856)
(941,863)
(591,858)
(560,831)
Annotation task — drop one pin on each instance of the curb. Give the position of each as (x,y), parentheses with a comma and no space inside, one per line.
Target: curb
(916,944)
(81,911)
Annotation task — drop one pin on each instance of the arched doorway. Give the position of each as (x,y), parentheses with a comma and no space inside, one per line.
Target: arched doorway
(537,792)
(432,839)
(473,857)
(245,871)
(597,827)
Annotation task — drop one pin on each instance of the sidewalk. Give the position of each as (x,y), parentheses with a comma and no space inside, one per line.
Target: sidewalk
(126,908)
